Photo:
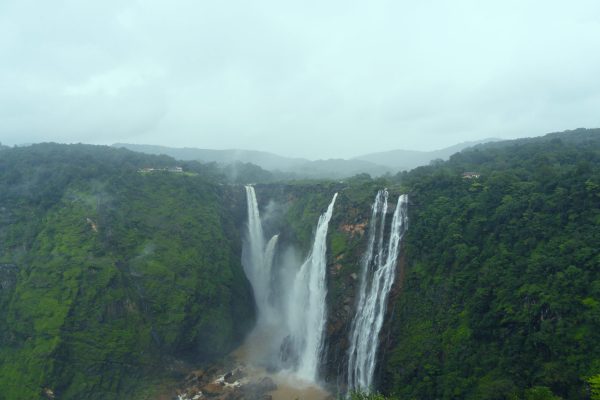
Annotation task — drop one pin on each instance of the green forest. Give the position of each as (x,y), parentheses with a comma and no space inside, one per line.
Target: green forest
(115,281)
(109,275)
(501,298)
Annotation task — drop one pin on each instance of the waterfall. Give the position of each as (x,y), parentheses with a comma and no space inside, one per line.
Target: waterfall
(270,254)
(268,259)
(290,299)
(377,277)
(307,307)
(258,260)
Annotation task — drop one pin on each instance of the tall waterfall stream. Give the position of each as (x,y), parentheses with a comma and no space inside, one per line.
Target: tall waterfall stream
(377,276)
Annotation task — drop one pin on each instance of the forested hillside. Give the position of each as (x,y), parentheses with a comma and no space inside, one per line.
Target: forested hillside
(116,279)
(501,298)
(108,274)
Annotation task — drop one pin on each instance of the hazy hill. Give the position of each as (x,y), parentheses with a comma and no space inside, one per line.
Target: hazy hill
(579,136)
(375,164)
(263,159)
(409,159)
(300,167)
(338,168)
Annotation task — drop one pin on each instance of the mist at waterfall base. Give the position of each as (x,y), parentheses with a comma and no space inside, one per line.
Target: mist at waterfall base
(290,298)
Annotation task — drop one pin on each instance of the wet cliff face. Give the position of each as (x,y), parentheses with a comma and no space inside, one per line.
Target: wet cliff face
(348,246)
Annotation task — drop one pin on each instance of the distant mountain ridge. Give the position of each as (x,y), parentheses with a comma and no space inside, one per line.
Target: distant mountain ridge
(299,167)
(339,168)
(409,159)
(374,164)
(263,159)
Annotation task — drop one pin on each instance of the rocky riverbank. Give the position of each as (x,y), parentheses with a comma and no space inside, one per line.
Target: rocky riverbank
(246,382)
(235,384)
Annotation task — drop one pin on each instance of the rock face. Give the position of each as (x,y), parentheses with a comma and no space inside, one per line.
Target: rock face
(387,341)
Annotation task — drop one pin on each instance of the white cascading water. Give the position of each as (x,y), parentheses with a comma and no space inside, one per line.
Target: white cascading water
(292,308)
(377,276)
(258,260)
(307,308)
(270,254)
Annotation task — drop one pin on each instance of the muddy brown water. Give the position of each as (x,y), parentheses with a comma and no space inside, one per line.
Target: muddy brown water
(289,387)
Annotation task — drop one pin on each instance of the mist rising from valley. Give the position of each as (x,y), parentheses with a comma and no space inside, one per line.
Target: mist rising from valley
(286,168)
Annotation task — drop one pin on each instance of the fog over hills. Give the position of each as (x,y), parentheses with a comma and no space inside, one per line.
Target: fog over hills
(339,168)
(263,159)
(374,164)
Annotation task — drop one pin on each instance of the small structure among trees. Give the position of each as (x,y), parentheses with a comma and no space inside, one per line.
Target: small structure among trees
(169,169)
(471,175)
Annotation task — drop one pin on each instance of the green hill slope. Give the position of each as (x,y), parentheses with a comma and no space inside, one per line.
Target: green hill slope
(108,275)
(501,297)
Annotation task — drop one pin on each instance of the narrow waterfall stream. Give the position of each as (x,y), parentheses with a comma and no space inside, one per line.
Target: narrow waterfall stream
(258,258)
(377,276)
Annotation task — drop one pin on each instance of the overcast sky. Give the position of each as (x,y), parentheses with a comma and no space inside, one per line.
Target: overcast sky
(308,78)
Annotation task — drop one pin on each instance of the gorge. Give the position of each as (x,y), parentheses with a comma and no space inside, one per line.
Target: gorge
(297,327)
(121,283)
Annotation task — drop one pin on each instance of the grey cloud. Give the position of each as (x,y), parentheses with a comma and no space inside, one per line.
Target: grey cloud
(312,79)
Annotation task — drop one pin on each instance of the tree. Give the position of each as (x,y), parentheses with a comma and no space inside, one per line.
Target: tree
(594,383)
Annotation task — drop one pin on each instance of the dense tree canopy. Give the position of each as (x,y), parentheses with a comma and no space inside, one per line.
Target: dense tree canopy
(502,291)
(108,273)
